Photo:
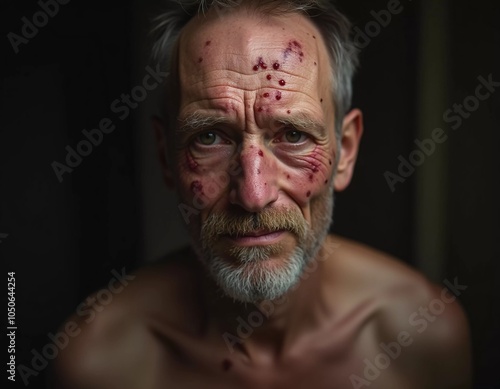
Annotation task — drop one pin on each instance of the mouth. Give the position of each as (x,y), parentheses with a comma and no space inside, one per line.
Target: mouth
(255,238)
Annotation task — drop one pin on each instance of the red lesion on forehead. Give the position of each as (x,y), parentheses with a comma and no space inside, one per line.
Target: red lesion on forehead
(260,64)
(204,50)
(293,47)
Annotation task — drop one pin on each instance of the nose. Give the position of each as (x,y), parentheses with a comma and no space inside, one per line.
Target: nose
(254,188)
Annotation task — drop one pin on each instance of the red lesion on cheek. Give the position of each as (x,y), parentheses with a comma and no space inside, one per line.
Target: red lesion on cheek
(190,162)
(309,173)
(197,187)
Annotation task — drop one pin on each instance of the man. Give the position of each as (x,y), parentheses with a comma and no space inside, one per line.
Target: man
(256,136)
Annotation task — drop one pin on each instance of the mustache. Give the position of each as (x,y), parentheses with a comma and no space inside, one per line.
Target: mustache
(240,224)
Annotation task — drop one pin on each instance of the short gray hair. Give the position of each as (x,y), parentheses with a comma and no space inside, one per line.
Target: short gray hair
(333,25)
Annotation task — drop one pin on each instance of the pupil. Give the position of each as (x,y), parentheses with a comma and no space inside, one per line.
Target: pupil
(293,136)
(208,138)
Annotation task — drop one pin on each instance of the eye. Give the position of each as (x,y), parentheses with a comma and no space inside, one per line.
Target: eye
(293,136)
(208,138)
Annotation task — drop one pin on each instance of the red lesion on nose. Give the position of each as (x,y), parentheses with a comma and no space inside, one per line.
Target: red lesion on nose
(261,153)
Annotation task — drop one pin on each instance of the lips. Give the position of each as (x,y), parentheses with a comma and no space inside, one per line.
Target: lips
(259,233)
(257,237)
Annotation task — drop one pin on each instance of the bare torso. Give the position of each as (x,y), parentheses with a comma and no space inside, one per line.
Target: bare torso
(165,331)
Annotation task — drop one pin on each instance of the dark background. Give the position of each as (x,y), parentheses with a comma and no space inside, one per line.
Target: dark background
(64,239)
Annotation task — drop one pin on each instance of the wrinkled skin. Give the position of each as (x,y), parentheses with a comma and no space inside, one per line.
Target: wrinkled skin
(172,326)
(259,93)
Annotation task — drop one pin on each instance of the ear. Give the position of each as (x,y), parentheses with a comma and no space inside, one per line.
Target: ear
(352,130)
(161,147)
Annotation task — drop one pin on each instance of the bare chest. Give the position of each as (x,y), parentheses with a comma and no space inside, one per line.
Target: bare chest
(346,362)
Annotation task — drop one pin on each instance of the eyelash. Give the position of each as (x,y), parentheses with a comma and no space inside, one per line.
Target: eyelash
(303,136)
(222,139)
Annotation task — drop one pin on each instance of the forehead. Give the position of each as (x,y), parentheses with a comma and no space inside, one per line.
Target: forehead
(244,48)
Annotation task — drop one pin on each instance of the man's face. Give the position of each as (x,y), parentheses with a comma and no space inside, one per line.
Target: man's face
(255,150)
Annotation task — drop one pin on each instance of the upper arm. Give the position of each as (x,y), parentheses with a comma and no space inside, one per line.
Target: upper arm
(433,335)
(72,369)
(446,343)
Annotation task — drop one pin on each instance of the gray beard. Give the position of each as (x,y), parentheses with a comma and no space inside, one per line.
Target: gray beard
(251,280)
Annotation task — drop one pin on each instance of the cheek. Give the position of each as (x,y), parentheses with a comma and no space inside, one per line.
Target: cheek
(203,180)
(308,175)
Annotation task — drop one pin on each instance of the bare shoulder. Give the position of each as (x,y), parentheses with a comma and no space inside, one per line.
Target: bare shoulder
(112,337)
(417,314)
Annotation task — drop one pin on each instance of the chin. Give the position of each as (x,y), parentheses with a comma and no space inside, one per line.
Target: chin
(255,275)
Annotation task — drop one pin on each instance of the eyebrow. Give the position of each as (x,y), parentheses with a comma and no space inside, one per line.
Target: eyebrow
(197,120)
(303,122)
(299,121)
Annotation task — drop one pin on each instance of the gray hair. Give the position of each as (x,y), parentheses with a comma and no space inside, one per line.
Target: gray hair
(333,25)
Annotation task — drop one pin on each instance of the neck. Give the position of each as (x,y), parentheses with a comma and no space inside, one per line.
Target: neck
(270,328)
